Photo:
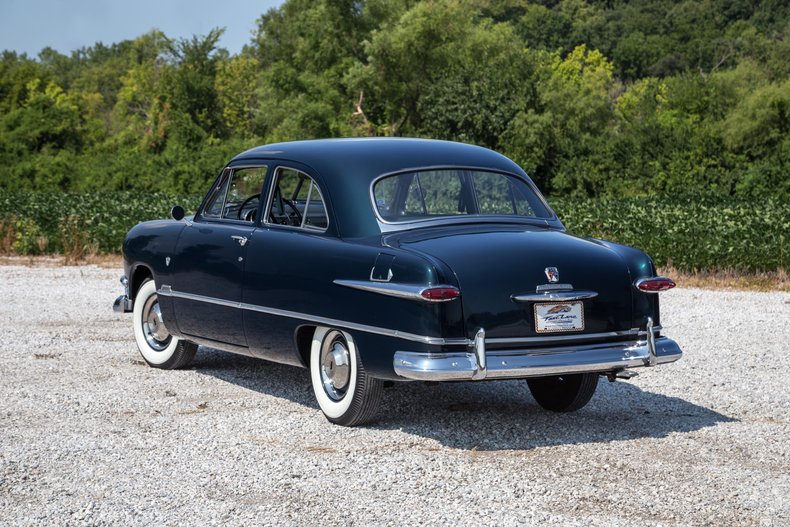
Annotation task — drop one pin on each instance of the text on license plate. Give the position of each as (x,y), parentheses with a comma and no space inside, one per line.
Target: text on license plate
(565,316)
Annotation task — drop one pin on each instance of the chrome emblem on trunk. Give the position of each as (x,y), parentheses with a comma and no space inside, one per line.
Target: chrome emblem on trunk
(553,274)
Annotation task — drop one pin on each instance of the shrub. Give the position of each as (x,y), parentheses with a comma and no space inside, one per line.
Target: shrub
(74,238)
(692,232)
(26,235)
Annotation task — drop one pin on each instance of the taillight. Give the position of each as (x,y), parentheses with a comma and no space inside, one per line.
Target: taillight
(655,284)
(440,294)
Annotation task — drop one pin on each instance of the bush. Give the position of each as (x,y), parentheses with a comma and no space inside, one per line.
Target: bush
(688,232)
(27,236)
(105,217)
(74,238)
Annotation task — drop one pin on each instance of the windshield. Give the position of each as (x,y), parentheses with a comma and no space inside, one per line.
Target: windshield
(452,192)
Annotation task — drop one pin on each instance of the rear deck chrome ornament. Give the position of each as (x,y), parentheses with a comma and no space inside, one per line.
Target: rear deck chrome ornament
(553,274)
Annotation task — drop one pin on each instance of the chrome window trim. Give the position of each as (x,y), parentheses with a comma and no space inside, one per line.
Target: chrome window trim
(270,194)
(167,290)
(389,226)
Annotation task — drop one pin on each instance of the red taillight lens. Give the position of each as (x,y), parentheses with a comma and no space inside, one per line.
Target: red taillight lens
(655,285)
(440,294)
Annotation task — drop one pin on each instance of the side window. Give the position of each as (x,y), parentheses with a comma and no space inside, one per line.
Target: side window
(297,201)
(237,196)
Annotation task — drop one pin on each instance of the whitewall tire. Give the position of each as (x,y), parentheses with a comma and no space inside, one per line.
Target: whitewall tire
(346,394)
(158,347)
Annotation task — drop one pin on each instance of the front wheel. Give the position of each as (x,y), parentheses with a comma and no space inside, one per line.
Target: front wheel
(158,347)
(563,393)
(346,394)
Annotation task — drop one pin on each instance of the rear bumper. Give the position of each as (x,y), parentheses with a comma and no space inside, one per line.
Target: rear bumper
(123,304)
(512,364)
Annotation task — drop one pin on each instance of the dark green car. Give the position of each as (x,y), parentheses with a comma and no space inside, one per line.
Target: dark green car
(373,260)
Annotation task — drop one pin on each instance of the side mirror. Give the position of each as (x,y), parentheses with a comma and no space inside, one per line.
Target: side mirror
(177,212)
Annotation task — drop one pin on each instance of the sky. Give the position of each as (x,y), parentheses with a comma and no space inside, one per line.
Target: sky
(66,25)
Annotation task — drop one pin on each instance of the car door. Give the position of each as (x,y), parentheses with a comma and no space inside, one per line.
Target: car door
(210,258)
(280,271)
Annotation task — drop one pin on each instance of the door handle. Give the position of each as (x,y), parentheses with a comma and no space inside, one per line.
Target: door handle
(241,239)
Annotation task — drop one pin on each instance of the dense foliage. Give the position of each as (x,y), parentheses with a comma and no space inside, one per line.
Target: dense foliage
(695,232)
(591,97)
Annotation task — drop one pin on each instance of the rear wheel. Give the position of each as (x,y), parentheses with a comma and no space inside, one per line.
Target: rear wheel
(346,394)
(563,393)
(158,347)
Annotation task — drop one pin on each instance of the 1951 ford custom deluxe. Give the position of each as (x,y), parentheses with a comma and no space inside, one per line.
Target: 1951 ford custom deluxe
(373,260)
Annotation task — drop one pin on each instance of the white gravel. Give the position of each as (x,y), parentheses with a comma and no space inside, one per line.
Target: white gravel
(89,435)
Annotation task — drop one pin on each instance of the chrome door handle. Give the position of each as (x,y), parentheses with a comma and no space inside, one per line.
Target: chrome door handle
(241,239)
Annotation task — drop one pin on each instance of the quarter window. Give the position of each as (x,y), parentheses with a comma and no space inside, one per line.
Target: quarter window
(297,202)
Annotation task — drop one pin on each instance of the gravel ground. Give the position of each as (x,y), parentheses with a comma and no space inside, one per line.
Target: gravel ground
(89,435)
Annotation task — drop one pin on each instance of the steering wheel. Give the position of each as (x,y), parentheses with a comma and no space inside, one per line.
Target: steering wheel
(250,215)
(287,220)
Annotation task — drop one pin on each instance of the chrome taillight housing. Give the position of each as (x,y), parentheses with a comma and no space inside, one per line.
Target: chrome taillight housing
(655,284)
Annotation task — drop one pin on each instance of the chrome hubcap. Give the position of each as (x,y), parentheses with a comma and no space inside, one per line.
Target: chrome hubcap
(335,365)
(154,329)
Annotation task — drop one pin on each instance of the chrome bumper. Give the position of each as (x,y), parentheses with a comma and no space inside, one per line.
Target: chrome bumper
(479,364)
(123,304)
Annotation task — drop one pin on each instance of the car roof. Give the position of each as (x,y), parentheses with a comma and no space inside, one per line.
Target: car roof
(346,168)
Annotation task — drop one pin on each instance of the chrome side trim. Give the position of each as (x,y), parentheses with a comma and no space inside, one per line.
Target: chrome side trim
(564,296)
(412,292)
(166,290)
(324,321)
(595,358)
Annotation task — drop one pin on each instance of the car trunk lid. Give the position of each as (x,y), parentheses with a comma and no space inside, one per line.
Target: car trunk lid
(494,263)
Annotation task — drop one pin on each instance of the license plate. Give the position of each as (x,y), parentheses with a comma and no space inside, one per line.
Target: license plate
(565,316)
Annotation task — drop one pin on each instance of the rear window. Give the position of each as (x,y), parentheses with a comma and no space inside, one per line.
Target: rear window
(455,192)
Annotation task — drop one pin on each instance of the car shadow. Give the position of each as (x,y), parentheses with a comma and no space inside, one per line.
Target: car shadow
(499,415)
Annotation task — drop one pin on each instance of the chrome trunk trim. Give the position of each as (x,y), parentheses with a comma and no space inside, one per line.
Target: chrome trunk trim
(553,287)
(554,296)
